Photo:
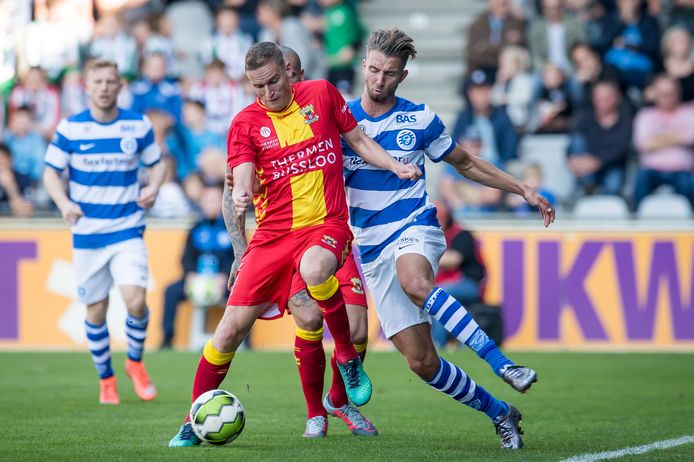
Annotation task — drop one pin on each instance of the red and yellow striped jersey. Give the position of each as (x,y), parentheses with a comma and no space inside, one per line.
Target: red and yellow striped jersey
(297,156)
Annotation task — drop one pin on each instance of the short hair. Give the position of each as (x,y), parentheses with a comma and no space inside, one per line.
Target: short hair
(216,63)
(100,63)
(393,43)
(280,7)
(262,53)
(669,34)
(612,83)
(289,52)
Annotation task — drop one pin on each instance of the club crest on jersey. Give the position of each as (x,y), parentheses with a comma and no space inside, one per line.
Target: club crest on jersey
(128,145)
(309,114)
(329,241)
(265,132)
(406,139)
(357,288)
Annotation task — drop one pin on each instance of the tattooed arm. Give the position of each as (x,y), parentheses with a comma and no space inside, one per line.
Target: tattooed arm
(236,227)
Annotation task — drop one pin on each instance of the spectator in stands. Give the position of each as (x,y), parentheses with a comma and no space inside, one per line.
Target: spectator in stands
(588,69)
(111,41)
(462,272)
(221,97)
(171,201)
(207,252)
(247,15)
(155,90)
(499,137)
(635,44)
(554,106)
(493,30)
(664,139)
(27,145)
(53,41)
(280,27)
(8,50)
(682,14)
(342,36)
(552,36)
(42,98)
(228,43)
(601,141)
(463,196)
(514,86)
(678,61)
(12,187)
(532,175)
(196,138)
(153,36)
(600,25)
(73,97)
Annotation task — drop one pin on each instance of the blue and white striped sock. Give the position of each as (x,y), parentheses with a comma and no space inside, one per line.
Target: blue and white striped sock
(99,347)
(136,330)
(453,381)
(455,319)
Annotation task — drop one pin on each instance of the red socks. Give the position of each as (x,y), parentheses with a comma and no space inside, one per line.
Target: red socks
(310,358)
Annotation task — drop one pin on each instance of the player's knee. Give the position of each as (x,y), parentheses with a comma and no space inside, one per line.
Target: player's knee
(424,365)
(417,289)
(359,333)
(310,320)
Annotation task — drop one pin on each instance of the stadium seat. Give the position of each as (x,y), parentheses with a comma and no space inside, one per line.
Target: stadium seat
(664,206)
(549,152)
(600,206)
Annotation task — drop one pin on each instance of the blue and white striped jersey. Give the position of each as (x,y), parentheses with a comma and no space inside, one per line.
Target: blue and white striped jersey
(102,161)
(381,206)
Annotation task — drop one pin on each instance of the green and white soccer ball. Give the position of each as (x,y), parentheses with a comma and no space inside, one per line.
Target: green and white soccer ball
(217,417)
(205,290)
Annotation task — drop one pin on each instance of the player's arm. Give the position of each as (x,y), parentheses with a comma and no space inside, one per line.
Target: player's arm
(156,174)
(480,170)
(236,230)
(70,211)
(374,154)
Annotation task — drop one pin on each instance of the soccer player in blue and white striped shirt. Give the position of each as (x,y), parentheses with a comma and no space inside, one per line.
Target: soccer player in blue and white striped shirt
(401,241)
(102,148)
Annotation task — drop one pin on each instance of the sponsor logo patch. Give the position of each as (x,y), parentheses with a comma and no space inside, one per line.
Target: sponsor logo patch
(309,114)
(332,242)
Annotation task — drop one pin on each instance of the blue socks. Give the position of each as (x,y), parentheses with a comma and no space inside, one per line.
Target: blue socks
(453,381)
(98,343)
(456,320)
(136,330)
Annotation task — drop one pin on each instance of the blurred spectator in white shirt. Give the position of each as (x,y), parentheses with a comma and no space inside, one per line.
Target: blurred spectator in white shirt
(43,99)
(514,86)
(228,43)
(111,41)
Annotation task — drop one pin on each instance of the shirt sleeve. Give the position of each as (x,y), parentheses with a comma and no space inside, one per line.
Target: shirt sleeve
(240,147)
(437,142)
(150,152)
(59,150)
(340,110)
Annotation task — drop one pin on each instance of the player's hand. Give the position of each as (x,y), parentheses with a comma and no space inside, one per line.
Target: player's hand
(407,171)
(535,199)
(71,212)
(242,200)
(232,273)
(148,195)
(229,179)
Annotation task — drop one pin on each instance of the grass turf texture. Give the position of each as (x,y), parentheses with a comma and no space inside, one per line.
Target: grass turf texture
(583,403)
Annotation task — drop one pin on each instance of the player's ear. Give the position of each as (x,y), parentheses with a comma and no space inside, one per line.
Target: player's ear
(403,75)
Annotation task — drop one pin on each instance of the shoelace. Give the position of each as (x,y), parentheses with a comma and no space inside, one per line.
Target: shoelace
(187,432)
(354,416)
(505,432)
(315,425)
(516,372)
(352,372)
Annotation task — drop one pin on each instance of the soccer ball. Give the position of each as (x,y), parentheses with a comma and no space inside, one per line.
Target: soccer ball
(217,417)
(205,290)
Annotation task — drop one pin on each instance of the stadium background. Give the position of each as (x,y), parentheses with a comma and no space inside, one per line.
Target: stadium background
(611,280)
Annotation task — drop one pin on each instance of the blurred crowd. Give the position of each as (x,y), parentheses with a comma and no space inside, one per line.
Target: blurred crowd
(613,77)
(184,66)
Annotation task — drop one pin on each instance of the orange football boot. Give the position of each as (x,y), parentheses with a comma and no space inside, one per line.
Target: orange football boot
(141,383)
(109,391)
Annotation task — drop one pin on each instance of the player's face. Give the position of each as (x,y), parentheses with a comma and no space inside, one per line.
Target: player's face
(271,84)
(103,86)
(382,75)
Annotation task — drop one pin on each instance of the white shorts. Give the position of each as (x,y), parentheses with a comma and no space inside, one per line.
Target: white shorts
(96,270)
(395,310)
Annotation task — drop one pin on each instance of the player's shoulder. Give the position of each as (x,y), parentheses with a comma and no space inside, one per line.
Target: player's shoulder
(80,117)
(127,114)
(405,105)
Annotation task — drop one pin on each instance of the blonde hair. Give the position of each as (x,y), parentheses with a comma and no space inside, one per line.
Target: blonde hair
(666,41)
(100,63)
(393,43)
(519,55)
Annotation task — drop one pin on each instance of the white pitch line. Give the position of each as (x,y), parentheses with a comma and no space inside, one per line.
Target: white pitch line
(628,451)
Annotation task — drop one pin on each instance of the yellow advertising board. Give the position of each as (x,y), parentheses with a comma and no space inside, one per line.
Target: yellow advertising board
(579,290)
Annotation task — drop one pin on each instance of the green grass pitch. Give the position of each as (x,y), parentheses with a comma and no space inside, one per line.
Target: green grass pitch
(583,403)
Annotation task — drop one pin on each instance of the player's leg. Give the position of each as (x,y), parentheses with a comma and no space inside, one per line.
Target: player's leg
(336,402)
(94,282)
(216,359)
(324,252)
(417,347)
(310,359)
(129,270)
(416,270)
